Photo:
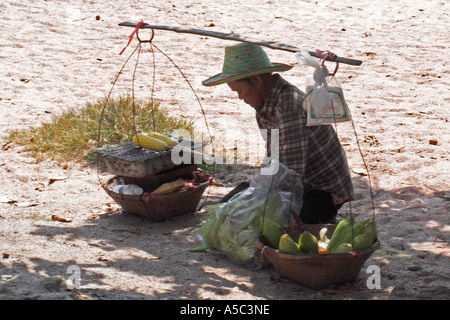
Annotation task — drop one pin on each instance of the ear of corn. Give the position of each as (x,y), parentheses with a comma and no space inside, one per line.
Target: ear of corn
(346,233)
(170,142)
(286,244)
(339,233)
(370,226)
(363,241)
(343,248)
(271,232)
(308,243)
(350,234)
(169,187)
(145,141)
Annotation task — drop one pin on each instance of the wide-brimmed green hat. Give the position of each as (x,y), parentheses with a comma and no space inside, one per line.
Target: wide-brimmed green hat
(244,60)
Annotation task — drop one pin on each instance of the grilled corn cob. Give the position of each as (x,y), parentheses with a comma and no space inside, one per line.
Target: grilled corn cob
(169,187)
(145,141)
(170,142)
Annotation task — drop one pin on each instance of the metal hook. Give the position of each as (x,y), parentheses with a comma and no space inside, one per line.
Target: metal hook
(324,57)
(335,70)
(143,41)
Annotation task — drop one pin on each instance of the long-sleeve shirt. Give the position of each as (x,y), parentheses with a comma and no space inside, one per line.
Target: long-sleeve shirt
(313,151)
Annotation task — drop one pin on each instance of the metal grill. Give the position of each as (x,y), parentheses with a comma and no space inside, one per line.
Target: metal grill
(128,151)
(128,160)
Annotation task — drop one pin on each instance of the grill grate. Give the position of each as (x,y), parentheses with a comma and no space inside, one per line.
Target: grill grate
(128,151)
(128,160)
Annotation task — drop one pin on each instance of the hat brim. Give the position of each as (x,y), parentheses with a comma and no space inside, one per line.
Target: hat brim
(227,78)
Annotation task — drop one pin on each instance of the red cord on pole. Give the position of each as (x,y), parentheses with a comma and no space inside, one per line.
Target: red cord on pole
(141,23)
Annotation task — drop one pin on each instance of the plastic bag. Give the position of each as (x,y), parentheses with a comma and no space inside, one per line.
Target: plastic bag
(325,102)
(233,227)
(304,57)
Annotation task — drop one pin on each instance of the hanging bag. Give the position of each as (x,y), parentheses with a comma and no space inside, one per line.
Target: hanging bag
(324,102)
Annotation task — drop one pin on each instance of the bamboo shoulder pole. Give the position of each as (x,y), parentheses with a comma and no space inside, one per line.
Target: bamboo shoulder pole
(235,37)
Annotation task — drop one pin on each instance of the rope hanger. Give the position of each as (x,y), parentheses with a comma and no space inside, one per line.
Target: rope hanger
(138,51)
(136,31)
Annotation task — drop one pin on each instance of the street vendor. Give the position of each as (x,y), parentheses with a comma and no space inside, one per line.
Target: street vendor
(313,151)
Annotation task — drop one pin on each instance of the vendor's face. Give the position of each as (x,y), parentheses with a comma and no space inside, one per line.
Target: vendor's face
(248,90)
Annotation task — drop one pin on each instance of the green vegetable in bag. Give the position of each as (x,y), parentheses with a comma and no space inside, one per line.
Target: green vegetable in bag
(233,227)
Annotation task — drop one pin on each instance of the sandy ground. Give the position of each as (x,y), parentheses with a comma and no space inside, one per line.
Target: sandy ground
(62,54)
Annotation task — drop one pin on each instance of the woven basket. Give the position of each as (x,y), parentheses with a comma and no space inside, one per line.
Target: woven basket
(317,271)
(161,207)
